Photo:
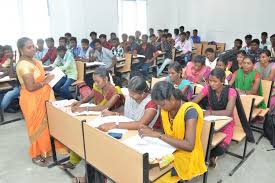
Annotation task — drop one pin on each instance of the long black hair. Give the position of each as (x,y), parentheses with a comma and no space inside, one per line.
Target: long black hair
(164,90)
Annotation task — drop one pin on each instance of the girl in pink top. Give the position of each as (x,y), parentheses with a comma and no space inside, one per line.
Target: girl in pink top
(196,71)
(222,100)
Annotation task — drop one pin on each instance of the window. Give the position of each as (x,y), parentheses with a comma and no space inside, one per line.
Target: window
(132,16)
(23,18)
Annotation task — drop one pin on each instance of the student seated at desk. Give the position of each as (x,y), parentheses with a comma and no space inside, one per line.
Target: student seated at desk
(264,44)
(174,77)
(85,51)
(185,47)
(137,37)
(272,46)
(105,96)
(254,50)
(170,39)
(182,123)
(222,64)
(112,36)
(132,45)
(151,31)
(66,63)
(176,35)
(93,36)
(117,50)
(74,48)
(154,42)
(104,42)
(138,106)
(188,37)
(102,54)
(248,39)
(148,51)
(211,59)
(167,48)
(6,60)
(40,51)
(265,67)
(62,41)
(160,33)
(124,44)
(196,71)
(221,100)
(51,55)
(247,80)
(238,44)
(195,37)
(68,37)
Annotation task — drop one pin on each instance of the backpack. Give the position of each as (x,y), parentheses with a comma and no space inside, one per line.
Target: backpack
(84,90)
(269,127)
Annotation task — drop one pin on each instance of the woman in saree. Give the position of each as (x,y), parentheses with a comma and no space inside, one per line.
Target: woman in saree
(182,123)
(34,92)
(247,81)
(105,96)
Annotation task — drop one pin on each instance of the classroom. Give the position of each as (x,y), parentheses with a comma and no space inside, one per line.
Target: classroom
(137,91)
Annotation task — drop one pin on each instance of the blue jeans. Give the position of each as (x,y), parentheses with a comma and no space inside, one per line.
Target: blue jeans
(140,67)
(62,87)
(9,97)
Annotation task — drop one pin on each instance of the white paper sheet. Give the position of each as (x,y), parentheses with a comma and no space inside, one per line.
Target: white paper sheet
(1,73)
(63,103)
(58,74)
(87,105)
(125,91)
(6,78)
(154,146)
(214,118)
(86,113)
(89,64)
(140,56)
(108,119)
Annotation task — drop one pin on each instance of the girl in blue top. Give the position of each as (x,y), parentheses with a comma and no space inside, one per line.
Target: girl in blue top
(175,72)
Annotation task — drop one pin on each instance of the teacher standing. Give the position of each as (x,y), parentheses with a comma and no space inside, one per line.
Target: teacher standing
(34,92)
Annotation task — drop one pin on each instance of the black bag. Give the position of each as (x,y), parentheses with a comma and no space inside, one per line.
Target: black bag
(269,127)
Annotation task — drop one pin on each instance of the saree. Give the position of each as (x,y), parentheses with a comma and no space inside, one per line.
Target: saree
(33,107)
(187,164)
(246,84)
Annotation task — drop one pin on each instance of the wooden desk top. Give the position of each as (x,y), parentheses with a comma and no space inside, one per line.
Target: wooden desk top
(258,99)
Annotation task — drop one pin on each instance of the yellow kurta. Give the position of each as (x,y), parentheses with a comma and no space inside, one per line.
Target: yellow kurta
(187,164)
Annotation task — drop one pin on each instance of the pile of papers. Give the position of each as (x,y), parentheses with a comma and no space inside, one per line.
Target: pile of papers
(107,119)
(155,147)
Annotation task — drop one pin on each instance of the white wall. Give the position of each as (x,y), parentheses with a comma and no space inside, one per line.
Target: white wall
(83,16)
(216,20)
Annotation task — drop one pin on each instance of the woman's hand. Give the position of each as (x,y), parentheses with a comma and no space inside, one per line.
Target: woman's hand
(107,126)
(145,131)
(78,109)
(106,112)
(48,79)
(206,113)
(76,104)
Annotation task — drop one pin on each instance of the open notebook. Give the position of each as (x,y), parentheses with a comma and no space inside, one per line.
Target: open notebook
(214,118)
(107,119)
(58,74)
(155,147)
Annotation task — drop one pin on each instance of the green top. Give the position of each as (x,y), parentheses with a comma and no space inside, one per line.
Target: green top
(67,65)
(246,84)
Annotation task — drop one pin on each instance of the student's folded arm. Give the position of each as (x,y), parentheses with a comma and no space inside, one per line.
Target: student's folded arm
(148,116)
(188,143)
